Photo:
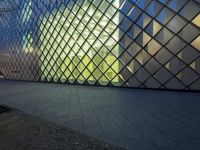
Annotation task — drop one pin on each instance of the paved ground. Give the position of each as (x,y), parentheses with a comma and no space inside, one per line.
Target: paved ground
(19,131)
(136,119)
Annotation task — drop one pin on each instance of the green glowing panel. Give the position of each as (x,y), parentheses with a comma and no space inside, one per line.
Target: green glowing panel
(80,45)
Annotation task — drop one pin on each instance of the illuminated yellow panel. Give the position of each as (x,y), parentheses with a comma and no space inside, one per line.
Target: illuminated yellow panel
(196,43)
(153,47)
(156,28)
(196,20)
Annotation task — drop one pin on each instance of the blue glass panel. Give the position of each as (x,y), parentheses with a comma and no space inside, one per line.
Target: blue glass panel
(161,16)
(135,13)
(163,1)
(177,4)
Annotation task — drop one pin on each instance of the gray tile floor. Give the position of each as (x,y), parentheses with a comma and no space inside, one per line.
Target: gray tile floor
(135,119)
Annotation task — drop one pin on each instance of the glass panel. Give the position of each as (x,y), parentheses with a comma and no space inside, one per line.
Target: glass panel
(196,20)
(189,33)
(164,36)
(196,43)
(190,10)
(177,4)
(176,24)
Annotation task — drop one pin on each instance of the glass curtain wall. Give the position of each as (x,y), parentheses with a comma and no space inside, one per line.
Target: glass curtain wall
(128,43)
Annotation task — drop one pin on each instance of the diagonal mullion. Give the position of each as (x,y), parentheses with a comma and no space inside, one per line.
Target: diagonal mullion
(74,43)
(55,61)
(86,40)
(65,46)
(83,30)
(48,42)
(175,55)
(157,41)
(47,32)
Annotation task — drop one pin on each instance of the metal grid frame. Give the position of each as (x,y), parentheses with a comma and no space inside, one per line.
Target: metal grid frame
(140,48)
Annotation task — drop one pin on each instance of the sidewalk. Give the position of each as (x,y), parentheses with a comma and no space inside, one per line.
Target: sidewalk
(130,118)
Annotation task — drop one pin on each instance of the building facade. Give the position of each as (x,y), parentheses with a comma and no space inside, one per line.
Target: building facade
(127,43)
